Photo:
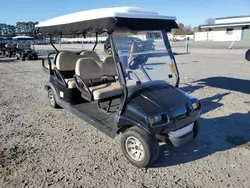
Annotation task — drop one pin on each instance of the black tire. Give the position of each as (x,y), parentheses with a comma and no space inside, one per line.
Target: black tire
(30,57)
(247,55)
(109,51)
(35,57)
(148,142)
(52,102)
(23,57)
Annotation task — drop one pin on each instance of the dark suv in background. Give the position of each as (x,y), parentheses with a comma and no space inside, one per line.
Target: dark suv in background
(124,43)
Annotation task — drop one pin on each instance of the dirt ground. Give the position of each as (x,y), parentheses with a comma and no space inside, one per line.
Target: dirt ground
(44,147)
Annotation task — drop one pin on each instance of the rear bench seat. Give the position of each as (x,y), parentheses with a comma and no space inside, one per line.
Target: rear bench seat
(65,63)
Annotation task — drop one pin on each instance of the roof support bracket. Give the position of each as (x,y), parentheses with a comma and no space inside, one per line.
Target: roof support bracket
(51,42)
(96,41)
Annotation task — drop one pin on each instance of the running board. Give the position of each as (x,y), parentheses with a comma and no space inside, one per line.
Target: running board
(97,124)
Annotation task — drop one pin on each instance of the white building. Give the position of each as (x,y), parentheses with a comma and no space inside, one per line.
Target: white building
(226,29)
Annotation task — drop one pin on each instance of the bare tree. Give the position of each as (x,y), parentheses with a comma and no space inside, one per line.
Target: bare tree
(209,21)
(183,30)
(197,29)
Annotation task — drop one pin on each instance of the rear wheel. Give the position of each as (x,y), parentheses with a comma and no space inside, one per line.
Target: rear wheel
(23,57)
(139,147)
(52,99)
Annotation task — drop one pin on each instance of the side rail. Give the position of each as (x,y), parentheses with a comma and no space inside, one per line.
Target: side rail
(47,64)
(59,77)
(83,88)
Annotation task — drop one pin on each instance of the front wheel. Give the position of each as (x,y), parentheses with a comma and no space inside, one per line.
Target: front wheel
(139,147)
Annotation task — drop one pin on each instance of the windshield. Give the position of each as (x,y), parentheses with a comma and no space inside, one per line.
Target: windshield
(145,58)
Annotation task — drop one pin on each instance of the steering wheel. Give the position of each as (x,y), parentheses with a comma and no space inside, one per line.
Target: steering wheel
(137,62)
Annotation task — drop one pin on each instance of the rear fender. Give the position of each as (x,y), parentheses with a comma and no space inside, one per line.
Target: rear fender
(49,85)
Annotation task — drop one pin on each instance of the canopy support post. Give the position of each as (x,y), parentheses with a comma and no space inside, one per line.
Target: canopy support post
(50,40)
(60,42)
(96,40)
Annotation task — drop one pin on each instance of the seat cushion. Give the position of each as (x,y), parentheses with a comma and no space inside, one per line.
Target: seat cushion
(106,90)
(71,83)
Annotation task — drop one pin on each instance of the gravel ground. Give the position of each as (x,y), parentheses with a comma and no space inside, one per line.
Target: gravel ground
(44,147)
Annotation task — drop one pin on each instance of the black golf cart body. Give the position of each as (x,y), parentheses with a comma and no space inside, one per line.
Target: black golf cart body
(88,86)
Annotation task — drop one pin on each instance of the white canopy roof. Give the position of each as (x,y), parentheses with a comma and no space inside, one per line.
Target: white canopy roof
(107,20)
(22,37)
(121,12)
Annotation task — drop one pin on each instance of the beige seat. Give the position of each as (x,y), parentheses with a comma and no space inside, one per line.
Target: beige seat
(88,69)
(92,54)
(66,62)
(106,90)
(70,82)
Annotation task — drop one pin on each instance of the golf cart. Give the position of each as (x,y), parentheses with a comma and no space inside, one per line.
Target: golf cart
(127,92)
(23,48)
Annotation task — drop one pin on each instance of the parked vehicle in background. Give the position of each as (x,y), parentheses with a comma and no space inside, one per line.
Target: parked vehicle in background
(180,38)
(10,50)
(125,43)
(23,48)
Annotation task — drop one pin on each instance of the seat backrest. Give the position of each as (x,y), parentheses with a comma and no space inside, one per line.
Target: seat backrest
(92,54)
(108,67)
(88,68)
(66,61)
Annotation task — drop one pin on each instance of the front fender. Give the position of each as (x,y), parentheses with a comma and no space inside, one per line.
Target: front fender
(126,122)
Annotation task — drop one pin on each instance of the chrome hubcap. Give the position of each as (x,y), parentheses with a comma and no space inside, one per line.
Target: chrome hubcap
(51,98)
(134,148)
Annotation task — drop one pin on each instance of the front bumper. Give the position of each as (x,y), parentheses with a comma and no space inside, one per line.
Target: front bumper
(179,141)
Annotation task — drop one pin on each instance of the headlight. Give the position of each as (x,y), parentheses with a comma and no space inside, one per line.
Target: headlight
(158,119)
(196,105)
